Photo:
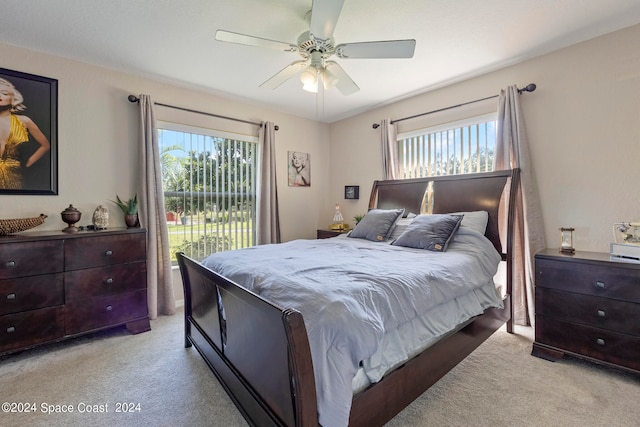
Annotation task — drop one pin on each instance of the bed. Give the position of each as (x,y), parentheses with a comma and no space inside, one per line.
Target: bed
(261,350)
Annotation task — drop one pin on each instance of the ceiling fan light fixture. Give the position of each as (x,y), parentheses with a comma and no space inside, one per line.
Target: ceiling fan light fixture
(309,79)
(308,76)
(311,87)
(317,45)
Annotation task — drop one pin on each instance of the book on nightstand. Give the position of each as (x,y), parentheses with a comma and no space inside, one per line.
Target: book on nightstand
(625,252)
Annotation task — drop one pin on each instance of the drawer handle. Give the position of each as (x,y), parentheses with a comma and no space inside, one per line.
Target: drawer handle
(109,281)
(11,329)
(108,308)
(10,264)
(11,296)
(600,284)
(601,313)
(600,341)
(108,253)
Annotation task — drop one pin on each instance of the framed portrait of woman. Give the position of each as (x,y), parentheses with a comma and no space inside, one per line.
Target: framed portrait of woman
(28,134)
(299,169)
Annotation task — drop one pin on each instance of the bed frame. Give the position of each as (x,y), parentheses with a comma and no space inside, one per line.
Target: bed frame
(260,352)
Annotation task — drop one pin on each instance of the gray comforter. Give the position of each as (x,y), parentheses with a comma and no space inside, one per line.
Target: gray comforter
(350,291)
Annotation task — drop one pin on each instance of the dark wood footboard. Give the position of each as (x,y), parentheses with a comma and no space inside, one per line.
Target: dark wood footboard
(259,352)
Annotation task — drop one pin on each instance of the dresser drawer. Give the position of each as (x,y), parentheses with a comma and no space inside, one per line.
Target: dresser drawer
(110,280)
(611,281)
(29,258)
(617,348)
(30,328)
(29,293)
(103,311)
(97,251)
(604,313)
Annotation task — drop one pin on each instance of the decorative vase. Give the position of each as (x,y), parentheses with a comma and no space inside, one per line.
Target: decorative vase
(131,220)
(71,216)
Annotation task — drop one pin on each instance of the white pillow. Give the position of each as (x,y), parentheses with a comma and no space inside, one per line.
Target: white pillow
(476,220)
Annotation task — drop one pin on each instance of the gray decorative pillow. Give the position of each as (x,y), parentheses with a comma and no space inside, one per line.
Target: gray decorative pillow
(377,224)
(431,232)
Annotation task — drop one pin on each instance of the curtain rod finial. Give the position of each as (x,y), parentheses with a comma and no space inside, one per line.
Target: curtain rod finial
(133,98)
(529,88)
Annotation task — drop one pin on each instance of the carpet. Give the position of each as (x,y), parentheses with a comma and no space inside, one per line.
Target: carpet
(113,378)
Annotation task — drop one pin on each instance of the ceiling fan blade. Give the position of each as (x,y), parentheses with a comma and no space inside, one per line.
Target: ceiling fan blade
(324,16)
(230,37)
(285,74)
(345,85)
(381,49)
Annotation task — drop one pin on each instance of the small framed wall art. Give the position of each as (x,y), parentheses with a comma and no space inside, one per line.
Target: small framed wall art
(299,169)
(352,192)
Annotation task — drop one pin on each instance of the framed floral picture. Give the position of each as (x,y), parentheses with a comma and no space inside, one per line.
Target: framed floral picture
(28,134)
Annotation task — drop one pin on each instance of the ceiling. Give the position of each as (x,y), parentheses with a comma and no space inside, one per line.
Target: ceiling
(174,41)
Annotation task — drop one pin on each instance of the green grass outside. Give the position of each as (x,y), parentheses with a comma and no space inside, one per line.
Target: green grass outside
(196,229)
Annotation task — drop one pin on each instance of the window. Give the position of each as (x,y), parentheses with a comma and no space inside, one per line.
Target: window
(465,146)
(209,180)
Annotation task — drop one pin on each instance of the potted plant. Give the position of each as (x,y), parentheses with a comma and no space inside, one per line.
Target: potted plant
(130,210)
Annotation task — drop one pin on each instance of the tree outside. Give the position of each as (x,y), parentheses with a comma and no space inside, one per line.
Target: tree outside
(209,188)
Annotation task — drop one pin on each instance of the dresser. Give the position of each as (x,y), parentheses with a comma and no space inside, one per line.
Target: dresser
(587,306)
(55,285)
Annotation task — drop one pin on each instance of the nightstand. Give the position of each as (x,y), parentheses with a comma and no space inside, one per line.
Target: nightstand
(325,234)
(587,306)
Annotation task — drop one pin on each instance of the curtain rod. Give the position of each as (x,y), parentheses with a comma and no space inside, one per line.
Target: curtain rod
(529,88)
(133,98)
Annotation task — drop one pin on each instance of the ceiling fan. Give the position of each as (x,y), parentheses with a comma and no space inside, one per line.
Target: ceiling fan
(316,46)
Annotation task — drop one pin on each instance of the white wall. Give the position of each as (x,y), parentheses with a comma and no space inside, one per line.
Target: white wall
(98,133)
(583,124)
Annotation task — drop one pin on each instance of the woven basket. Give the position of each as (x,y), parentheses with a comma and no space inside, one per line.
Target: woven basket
(10,226)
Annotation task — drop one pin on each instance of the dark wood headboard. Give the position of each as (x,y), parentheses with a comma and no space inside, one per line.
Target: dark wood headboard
(454,193)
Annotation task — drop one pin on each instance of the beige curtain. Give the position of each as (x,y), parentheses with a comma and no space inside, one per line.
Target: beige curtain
(512,151)
(268,221)
(152,215)
(390,160)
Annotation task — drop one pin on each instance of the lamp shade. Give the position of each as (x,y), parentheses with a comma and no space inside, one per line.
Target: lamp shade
(309,79)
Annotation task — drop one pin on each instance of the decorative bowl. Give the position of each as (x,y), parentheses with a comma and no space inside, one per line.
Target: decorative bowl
(15,225)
